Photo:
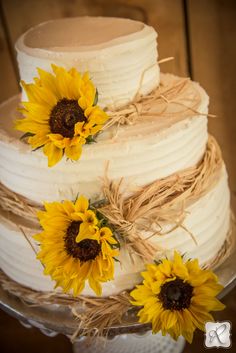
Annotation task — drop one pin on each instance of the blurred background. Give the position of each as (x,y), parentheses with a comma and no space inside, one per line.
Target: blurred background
(201,35)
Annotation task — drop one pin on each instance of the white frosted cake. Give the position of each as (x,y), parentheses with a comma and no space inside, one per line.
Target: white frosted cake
(121,58)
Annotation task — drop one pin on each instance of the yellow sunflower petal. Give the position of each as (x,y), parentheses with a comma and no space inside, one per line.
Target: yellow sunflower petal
(95,285)
(38,140)
(49,81)
(78,216)
(168,319)
(37,109)
(87,232)
(79,128)
(35,112)
(52,208)
(28,125)
(96,115)
(165,267)
(203,277)
(179,267)
(188,335)
(156,324)
(53,153)
(87,92)
(81,204)
(187,320)
(156,287)
(106,234)
(68,207)
(82,102)
(140,294)
(151,311)
(85,270)
(59,141)
(77,287)
(199,316)
(40,95)
(209,289)
(90,218)
(73,152)
(211,303)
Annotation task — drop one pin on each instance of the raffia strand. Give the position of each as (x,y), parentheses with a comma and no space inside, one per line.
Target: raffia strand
(160,103)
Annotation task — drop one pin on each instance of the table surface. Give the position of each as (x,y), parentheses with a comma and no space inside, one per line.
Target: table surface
(199,34)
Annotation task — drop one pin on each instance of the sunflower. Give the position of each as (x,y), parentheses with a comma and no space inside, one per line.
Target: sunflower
(75,246)
(177,297)
(61,114)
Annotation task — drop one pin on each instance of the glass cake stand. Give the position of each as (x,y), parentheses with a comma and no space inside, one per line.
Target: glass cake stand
(130,336)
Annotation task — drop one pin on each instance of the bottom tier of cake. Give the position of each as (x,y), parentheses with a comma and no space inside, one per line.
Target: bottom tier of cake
(208,220)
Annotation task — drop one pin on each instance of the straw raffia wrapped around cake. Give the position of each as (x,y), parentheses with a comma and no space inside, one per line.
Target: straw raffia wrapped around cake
(163,200)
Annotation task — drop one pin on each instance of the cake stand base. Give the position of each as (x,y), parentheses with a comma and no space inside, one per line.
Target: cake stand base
(132,343)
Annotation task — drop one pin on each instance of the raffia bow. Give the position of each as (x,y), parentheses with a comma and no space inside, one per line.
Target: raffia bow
(174,97)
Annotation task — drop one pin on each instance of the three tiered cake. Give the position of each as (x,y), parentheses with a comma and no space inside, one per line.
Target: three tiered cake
(145,166)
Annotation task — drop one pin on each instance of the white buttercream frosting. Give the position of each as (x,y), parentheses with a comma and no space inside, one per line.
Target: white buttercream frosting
(208,219)
(151,149)
(120,54)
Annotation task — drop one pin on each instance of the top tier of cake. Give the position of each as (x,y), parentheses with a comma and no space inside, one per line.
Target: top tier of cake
(120,54)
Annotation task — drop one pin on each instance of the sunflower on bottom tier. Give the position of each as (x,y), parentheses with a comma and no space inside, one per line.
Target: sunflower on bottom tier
(177,297)
(75,246)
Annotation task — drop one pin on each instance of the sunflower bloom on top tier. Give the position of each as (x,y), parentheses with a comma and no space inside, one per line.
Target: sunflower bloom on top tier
(177,297)
(61,114)
(75,246)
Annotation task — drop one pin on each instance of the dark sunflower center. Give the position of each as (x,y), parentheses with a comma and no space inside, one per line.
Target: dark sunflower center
(176,295)
(87,249)
(64,115)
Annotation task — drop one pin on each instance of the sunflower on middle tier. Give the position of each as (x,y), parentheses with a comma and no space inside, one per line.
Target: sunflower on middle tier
(61,113)
(75,246)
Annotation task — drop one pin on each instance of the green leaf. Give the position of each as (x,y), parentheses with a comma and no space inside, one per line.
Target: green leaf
(100,203)
(37,148)
(95,98)
(102,222)
(116,260)
(157,262)
(90,139)
(27,134)
(77,196)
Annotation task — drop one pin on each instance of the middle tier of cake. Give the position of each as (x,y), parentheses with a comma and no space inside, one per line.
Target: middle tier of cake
(171,138)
